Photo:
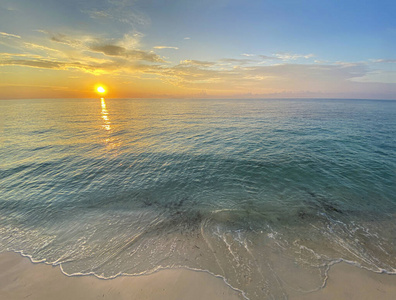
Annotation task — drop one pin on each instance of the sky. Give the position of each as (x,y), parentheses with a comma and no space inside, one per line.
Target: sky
(198,49)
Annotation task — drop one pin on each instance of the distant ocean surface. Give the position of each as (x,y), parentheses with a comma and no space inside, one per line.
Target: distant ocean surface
(265,193)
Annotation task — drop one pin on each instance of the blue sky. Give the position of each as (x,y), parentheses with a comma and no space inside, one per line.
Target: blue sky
(205,48)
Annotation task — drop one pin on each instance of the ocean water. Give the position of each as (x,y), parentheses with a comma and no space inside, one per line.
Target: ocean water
(267,194)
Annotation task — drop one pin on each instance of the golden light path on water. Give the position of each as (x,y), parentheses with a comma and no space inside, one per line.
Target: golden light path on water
(110,141)
(105,115)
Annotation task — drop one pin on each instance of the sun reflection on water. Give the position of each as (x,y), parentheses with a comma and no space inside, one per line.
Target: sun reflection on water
(109,140)
(105,116)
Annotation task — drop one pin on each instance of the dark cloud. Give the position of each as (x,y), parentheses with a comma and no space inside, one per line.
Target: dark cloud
(65,39)
(112,48)
(115,50)
(33,63)
(47,64)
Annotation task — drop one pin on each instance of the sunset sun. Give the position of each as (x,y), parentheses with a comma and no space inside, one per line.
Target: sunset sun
(100,90)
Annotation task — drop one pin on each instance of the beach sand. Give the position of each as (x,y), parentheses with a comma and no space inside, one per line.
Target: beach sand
(352,283)
(21,279)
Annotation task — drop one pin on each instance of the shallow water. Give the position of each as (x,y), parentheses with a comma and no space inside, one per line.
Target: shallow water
(265,193)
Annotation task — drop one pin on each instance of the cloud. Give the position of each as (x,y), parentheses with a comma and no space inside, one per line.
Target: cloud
(109,47)
(187,38)
(46,64)
(129,40)
(166,47)
(123,11)
(114,50)
(186,75)
(261,79)
(317,61)
(238,75)
(86,53)
(5,34)
(248,55)
(76,42)
(13,55)
(192,62)
(124,56)
(96,14)
(266,57)
(392,61)
(237,61)
(377,76)
(62,65)
(291,56)
(349,64)
(40,47)
(279,79)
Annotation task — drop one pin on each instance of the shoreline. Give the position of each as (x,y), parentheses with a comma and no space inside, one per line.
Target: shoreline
(21,278)
(350,282)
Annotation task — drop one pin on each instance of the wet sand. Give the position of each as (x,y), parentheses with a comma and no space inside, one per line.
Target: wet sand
(21,279)
(352,283)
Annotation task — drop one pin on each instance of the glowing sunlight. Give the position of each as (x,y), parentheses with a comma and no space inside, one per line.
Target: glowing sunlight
(100,90)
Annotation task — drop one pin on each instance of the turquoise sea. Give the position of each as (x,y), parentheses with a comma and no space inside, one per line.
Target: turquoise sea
(267,194)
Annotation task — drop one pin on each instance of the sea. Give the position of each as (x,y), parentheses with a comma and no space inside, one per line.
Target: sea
(267,194)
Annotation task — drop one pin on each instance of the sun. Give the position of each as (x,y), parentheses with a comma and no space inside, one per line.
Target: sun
(100,90)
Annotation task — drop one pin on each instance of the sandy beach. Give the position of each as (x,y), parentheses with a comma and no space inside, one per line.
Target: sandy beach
(21,279)
(349,282)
